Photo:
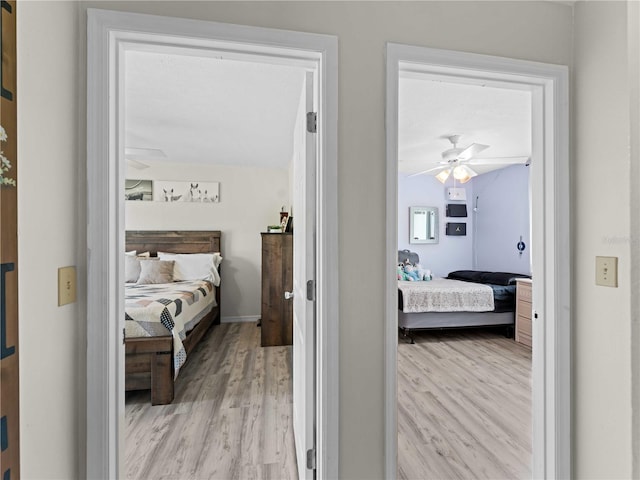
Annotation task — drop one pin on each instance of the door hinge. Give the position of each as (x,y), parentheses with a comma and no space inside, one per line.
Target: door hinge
(311,290)
(123,336)
(311,459)
(312,122)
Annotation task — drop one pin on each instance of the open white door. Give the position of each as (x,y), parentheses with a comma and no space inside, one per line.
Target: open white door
(304,245)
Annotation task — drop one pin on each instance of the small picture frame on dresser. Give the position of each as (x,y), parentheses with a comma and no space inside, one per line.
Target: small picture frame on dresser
(284,218)
(289,227)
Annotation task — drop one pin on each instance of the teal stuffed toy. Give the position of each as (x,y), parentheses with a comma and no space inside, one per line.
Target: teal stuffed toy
(423,274)
(401,274)
(412,273)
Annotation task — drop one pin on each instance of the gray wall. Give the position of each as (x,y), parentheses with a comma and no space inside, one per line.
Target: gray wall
(52,218)
(602,212)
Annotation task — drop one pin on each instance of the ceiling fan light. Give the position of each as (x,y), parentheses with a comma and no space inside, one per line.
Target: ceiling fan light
(443,175)
(463,174)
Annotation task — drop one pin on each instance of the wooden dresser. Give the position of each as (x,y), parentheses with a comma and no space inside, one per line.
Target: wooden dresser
(523,311)
(277,278)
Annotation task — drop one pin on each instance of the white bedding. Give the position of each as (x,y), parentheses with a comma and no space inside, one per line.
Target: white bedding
(445,295)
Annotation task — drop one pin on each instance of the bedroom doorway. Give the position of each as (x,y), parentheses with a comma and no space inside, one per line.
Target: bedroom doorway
(549,198)
(111,34)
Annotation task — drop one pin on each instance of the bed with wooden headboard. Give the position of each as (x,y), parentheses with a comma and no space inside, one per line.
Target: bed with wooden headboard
(149,360)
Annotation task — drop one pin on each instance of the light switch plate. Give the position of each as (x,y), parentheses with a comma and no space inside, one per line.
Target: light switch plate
(607,271)
(66,285)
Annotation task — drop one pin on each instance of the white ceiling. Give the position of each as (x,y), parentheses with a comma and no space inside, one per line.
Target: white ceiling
(210,109)
(198,109)
(430,110)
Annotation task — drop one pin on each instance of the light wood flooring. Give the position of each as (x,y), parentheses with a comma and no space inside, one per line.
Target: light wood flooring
(464,406)
(231,417)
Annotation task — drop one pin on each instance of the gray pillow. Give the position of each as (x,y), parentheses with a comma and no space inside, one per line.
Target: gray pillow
(159,271)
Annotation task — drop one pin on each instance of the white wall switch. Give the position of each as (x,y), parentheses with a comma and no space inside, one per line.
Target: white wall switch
(66,285)
(607,271)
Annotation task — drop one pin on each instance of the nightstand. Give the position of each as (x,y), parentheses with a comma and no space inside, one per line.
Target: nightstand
(523,311)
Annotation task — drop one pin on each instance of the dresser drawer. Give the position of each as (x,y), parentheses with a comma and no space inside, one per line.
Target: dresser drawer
(524,291)
(523,330)
(523,308)
(523,313)
(523,325)
(524,339)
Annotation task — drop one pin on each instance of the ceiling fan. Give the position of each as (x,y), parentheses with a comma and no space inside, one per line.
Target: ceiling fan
(133,156)
(459,161)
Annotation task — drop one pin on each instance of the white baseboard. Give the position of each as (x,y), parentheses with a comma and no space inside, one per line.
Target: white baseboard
(246,318)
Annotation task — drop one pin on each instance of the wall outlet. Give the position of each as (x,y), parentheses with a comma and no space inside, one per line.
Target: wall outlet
(66,285)
(607,271)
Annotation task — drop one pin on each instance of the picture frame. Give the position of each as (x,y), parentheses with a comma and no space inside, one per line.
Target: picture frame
(190,192)
(289,227)
(138,190)
(284,219)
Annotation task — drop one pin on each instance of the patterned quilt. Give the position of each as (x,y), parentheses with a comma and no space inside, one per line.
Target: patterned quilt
(157,309)
(444,295)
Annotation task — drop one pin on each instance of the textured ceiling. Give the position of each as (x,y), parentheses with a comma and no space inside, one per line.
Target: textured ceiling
(209,109)
(199,109)
(431,110)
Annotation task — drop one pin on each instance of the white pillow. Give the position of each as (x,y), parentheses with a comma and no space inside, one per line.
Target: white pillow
(131,268)
(194,266)
(131,253)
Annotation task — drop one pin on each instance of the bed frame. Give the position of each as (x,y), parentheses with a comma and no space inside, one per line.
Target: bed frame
(412,322)
(149,360)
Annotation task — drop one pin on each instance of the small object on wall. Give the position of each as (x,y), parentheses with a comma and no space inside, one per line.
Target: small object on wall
(66,285)
(456,194)
(456,210)
(607,271)
(193,192)
(521,246)
(456,229)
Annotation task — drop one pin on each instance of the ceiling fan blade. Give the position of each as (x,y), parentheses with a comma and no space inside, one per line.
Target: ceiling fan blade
(134,152)
(136,164)
(471,151)
(434,169)
(499,161)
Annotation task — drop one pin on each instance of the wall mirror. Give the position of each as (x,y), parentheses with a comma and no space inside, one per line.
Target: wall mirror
(423,224)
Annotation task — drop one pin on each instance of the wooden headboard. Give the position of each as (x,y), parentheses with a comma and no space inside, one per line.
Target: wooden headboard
(171,241)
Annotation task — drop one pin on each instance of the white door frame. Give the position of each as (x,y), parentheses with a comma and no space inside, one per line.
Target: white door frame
(551,402)
(109,33)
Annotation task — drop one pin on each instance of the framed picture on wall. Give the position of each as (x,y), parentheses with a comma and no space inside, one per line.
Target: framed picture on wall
(140,190)
(194,192)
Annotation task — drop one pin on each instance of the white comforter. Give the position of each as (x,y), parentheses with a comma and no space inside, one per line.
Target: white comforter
(444,295)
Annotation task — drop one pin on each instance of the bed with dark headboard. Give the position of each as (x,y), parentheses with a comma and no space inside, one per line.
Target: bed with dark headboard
(149,360)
